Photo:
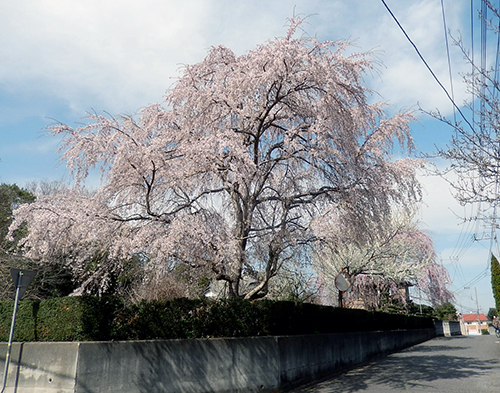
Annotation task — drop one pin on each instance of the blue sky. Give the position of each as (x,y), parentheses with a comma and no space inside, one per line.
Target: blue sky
(60,59)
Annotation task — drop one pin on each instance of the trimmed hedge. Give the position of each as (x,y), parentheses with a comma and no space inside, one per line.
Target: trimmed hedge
(105,319)
(60,319)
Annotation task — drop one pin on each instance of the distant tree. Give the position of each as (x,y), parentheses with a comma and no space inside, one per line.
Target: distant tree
(495,280)
(161,284)
(228,178)
(492,312)
(11,197)
(433,281)
(296,281)
(42,188)
(421,310)
(446,312)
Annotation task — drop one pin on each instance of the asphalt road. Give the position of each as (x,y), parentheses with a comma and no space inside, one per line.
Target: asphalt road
(460,364)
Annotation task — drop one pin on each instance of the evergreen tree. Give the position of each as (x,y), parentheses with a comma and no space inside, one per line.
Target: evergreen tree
(11,196)
(495,280)
(446,312)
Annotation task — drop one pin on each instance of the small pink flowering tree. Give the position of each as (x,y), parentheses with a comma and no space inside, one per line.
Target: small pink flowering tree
(433,281)
(228,175)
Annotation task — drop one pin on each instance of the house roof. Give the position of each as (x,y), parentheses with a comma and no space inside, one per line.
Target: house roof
(473,317)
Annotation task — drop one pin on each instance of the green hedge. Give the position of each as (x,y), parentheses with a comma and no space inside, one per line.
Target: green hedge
(60,319)
(104,319)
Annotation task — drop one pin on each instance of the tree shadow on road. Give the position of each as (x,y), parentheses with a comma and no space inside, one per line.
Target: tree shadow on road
(415,368)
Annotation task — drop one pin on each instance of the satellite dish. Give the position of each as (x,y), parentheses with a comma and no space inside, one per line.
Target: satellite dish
(343,281)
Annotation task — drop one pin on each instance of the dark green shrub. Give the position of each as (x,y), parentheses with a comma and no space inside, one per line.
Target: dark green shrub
(60,319)
(103,319)
(158,319)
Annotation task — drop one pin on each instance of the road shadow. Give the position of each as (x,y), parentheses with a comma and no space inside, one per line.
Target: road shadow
(417,367)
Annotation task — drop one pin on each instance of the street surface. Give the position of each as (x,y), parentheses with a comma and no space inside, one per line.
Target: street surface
(459,364)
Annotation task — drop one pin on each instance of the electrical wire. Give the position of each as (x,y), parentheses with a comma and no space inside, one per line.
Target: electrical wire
(484,15)
(472,59)
(449,59)
(427,65)
(495,91)
(465,239)
(474,280)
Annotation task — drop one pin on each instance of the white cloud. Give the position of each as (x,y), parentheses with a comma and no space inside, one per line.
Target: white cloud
(440,210)
(122,55)
(115,54)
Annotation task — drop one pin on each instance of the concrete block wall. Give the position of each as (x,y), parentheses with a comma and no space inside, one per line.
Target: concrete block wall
(307,358)
(255,364)
(449,328)
(213,365)
(41,367)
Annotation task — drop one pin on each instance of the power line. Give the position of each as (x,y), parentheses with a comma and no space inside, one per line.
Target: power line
(449,60)
(495,91)
(472,57)
(465,239)
(474,280)
(484,13)
(427,65)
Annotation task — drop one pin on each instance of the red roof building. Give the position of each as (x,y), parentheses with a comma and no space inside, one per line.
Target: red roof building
(473,318)
(471,323)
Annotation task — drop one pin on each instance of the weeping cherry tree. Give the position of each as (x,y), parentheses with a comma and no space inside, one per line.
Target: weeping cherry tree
(226,175)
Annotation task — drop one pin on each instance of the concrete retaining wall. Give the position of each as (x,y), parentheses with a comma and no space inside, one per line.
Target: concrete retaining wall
(308,358)
(256,364)
(447,329)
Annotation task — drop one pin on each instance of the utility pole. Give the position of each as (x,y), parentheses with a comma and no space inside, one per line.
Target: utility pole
(478,317)
(420,300)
